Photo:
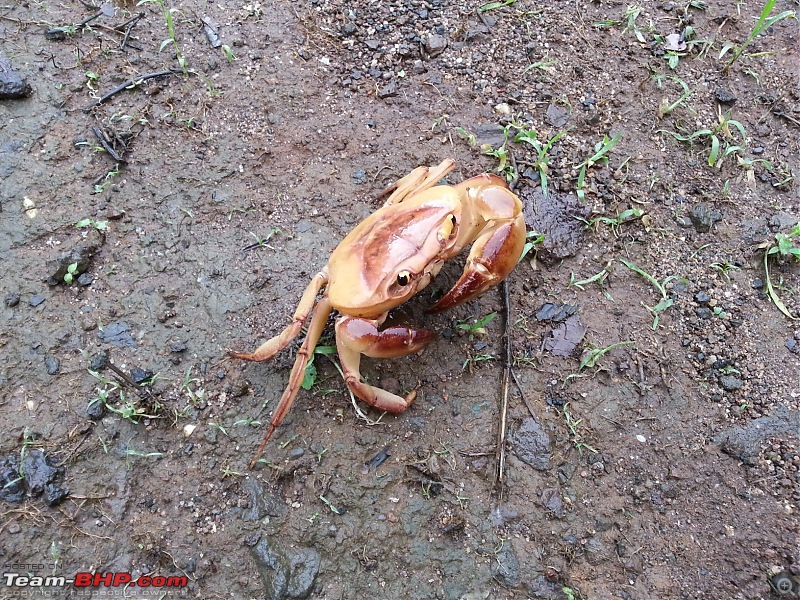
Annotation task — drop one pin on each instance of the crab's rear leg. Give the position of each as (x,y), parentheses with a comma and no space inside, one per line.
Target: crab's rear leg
(319,319)
(271,347)
(417,180)
(355,337)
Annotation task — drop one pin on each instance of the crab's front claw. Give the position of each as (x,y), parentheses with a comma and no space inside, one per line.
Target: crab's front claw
(492,257)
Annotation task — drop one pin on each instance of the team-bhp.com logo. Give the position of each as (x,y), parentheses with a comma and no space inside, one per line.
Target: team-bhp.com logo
(94,580)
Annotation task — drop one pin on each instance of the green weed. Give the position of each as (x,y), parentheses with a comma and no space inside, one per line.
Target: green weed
(765,21)
(721,143)
(477,326)
(532,240)
(665,301)
(169,14)
(542,160)
(601,149)
(782,248)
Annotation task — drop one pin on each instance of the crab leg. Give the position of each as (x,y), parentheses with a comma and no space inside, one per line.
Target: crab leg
(419,179)
(319,319)
(355,337)
(271,347)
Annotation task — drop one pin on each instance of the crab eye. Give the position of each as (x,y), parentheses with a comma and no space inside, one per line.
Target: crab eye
(403,278)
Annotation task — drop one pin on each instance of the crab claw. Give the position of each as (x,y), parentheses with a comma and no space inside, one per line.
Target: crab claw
(499,231)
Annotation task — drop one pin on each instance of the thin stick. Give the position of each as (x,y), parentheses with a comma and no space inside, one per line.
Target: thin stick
(500,452)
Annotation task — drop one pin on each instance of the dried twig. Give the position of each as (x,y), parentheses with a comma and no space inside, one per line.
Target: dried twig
(106,146)
(130,85)
(500,452)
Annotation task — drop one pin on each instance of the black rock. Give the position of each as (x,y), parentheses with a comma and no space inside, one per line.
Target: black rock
(38,472)
(99,361)
(434,45)
(52,364)
(140,375)
(12,485)
(177,347)
(702,297)
(555,311)
(54,494)
(724,96)
(703,217)
(758,284)
(388,91)
(36,300)
(704,312)
(12,86)
(730,383)
(95,410)
(85,279)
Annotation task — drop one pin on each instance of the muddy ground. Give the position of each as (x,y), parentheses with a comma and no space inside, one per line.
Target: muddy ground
(665,467)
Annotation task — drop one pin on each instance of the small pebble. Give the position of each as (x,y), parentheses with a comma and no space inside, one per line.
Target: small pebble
(36,300)
(12,300)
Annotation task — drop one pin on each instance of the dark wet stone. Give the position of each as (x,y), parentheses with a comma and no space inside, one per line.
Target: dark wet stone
(349,28)
(296,453)
(555,217)
(704,216)
(12,86)
(564,339)
(9,472)
(792,345)
(54,494)
(52,364)
(724,96)
(95,410)
(758,150)
(730,383)
(556,115)
(744,443)
(531,444)
(140,375)
(552,501)
(555,311)
(286,574)
(38,473)
(99,361)
(12,300)
(388,91)
(81,256)
(180,347)
(261,504)
(758,284)
(505,567)
(434,45)
(702,297)
(85,279)
(117,334)
(36,300)
(704,312)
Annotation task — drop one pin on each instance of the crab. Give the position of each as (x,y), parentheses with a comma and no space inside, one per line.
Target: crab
(388,258)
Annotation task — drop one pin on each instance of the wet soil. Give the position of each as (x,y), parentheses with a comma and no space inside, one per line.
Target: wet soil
(145,233)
